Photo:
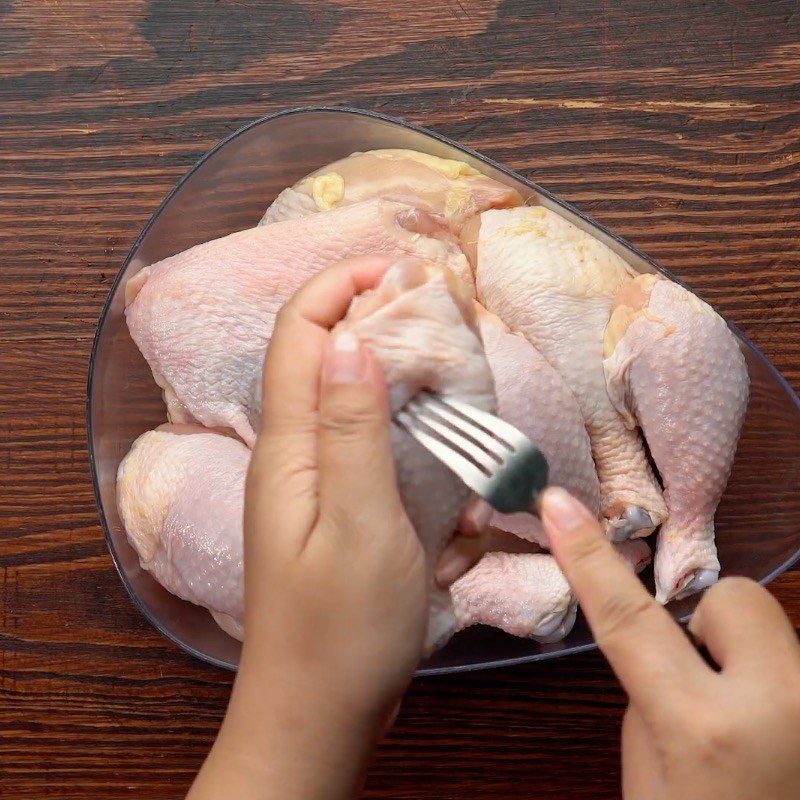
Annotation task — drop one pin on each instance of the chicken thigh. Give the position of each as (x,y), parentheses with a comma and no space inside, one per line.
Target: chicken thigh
(452,191)
(203,318)
(555,284)
(533,397)
(420,325)
(180,494)
(674,368)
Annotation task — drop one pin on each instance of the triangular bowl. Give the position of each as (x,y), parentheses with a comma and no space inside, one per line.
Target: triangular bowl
(758,522)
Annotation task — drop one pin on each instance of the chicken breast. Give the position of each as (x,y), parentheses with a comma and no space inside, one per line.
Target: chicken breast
(180,494)
(451,191)
(674,368)
(533,397)
(420,325)
(555,284)
(203,318)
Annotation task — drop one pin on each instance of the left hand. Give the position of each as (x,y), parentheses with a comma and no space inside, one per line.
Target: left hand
(336,594)
(335,589)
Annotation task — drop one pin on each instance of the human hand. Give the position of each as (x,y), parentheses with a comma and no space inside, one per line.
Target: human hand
(335,585)
(335,582)
(690,733)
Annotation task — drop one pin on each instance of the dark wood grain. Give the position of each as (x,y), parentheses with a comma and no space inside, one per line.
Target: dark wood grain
(674,123)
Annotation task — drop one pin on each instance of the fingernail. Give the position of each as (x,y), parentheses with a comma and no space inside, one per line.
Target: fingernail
(562,512)
(459,557)
(451,566)
(345,362)
(475,518)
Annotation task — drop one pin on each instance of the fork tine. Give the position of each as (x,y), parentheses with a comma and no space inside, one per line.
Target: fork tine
(465,469)
(488,422)
(496,447)
(488,461)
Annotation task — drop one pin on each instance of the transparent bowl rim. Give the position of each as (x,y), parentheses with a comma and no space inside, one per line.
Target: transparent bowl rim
(490,664)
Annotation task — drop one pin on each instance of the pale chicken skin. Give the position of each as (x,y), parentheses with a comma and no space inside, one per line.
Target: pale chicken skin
(675,369)
(450,190)
(420,325)
(548,356)
(181,490)
(555,284)
(180,494)
(523,592)
(533,397)
(202,318)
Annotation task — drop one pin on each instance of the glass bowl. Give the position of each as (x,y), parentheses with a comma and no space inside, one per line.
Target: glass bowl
(758,522)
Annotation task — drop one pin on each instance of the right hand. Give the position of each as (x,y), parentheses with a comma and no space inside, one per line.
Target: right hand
(690,733)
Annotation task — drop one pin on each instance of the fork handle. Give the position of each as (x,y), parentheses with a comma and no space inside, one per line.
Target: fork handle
(521,493)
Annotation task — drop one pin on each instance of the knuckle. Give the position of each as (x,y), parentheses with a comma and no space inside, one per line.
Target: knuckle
(729,593)
(732,586)
(713,739)
(360,521)
(285,312)
(349,409)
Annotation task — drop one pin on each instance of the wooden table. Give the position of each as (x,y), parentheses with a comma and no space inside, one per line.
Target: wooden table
(676,127)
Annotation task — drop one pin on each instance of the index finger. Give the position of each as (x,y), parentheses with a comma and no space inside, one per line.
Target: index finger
(645,647)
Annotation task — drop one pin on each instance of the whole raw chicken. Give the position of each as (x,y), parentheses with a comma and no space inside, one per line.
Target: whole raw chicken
(674,368)
(203,318)
(452,191)
(550,281)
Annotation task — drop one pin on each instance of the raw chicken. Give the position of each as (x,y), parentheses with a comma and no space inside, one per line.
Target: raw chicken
(636,553)
(554,283)
(180,494)
(674,367)
(533,397)
(523,594)
(450,190)
(420,324)
(203,318)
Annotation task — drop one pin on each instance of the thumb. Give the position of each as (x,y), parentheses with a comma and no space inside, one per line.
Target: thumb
(357,474)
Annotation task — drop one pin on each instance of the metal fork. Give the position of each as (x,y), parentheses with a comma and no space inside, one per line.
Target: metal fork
(493,458)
